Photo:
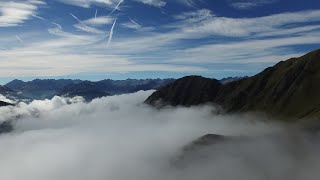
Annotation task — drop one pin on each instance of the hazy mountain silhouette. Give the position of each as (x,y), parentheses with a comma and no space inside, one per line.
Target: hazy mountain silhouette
(90,90)
(47,88)
(40,88)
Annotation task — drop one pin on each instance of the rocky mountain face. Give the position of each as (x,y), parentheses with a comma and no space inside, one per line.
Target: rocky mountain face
(90,90)
(289,89)
(2,103)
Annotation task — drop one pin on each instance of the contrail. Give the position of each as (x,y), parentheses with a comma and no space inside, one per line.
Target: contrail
(85,27)
(57,30)
(111,33)
(19,39)
(138,25)
(59,27)
(75,17)
(39,17)
(117,6)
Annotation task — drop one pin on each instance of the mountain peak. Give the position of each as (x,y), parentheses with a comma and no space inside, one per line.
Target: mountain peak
(190,90)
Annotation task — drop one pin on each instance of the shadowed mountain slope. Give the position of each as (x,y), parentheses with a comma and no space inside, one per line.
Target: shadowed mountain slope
(2,103)
(289,89)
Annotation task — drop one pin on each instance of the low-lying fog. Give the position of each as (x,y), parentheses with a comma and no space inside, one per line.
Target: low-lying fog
(120,138)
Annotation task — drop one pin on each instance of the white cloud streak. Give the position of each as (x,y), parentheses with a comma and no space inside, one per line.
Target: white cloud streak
(111,33)
(19,39)
(138,25)
(14,13)
(99,21)
(249,4)
(156,3)
(240,27)
(83,27)
(88,3)
(116,8)
(132,25)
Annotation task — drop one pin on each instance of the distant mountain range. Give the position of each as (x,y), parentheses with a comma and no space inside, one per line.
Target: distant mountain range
(90,90)
(290,89)
(47,88)
(40,89)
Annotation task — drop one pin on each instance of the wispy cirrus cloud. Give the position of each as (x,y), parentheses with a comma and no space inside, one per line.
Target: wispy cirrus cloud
(156,3)
(162,3)
(195,16)
(53,58)
(191,3)
(88,3)
(14,13)
(246,52)
(99,21)
(84,27)
(259,40)
(132,24)
(248,4)
(110,3)
(19,39)
(241,27)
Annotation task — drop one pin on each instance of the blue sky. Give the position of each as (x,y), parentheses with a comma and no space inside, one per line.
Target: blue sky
(99,39)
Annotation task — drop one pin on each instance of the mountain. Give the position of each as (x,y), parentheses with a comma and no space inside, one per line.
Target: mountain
(9,93)
(4,90)
(290,89)
(90,90)
(40,89)
(187,91)
(2,103)
(15,84)
(47,88)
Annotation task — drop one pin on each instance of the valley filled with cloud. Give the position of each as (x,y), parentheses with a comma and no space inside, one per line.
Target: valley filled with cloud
(120,137)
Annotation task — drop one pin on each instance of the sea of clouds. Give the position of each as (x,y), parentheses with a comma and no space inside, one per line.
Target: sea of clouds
(121,138)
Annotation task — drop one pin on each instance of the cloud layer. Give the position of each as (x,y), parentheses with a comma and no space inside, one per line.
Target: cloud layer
(121,138)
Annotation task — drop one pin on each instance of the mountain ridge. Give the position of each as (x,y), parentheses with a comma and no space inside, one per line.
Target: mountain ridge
(48,88)
(289,89)
(90,90)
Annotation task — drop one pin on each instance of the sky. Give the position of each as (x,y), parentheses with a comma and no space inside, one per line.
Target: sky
(100,39)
